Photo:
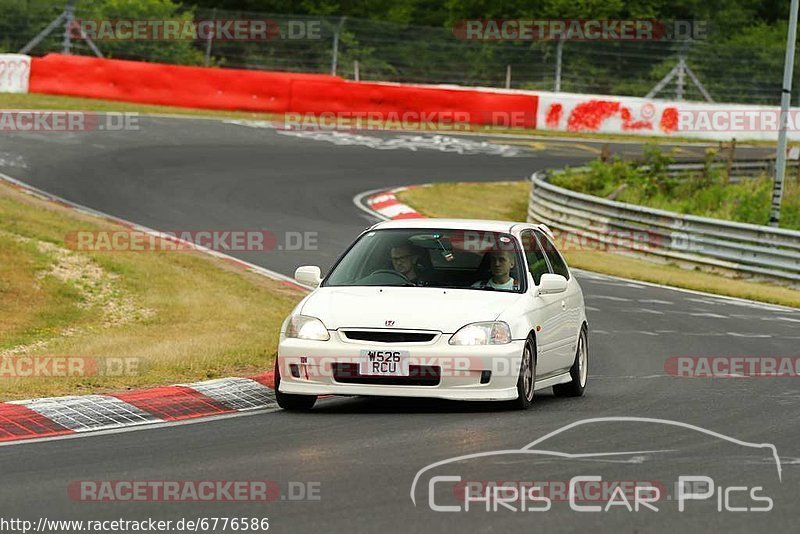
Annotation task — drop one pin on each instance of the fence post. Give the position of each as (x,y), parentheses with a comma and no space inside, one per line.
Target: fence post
(786,95)
(356,73)
(681,77)
(731,158)
(335,60)
(605,153)
(508,76)
(210,38)
(559,53)
(69,16)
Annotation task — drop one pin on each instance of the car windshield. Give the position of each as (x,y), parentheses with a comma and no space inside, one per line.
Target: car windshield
(446,258)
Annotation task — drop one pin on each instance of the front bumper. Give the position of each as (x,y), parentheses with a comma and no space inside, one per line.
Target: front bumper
(458,372)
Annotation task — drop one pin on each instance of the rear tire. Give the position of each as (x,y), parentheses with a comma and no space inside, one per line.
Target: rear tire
(287,401)
(579,370)
(526,383)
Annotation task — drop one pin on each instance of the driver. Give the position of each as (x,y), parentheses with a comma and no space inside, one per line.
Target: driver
(500,264)
(404,261)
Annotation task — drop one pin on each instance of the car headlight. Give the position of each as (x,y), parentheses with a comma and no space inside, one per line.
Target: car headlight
(490,333)
(307,327)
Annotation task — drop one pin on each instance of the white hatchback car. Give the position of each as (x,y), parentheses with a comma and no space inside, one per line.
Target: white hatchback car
(444,308)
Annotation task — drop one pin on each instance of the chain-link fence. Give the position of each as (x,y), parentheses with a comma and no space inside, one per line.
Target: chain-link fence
(371,50)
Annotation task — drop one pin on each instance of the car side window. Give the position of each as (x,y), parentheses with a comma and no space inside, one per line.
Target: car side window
(537,264)
(556,261)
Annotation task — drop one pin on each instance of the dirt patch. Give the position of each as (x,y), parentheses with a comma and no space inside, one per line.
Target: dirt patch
(98,290)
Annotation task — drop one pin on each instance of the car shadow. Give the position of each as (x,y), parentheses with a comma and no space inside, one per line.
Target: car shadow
(400,405)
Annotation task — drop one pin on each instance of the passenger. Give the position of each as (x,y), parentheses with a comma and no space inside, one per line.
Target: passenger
(500,264)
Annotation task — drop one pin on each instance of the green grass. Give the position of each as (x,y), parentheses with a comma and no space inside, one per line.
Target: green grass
(74,103)
(509,201)
(184,315)
(31,315)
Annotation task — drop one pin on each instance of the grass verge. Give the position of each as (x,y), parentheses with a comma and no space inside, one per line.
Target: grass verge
(173,316)
(69,103)
(509,201)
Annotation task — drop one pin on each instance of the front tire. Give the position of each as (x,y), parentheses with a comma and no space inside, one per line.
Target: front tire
(526,383)
(579,370)
(287,401)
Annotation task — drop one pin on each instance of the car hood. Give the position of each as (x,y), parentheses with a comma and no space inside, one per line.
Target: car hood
(416,308)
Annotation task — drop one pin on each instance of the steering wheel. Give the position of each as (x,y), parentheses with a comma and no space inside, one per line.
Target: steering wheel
(389,271)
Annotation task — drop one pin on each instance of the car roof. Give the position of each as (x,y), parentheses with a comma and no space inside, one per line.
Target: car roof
(460,224)
(447,224)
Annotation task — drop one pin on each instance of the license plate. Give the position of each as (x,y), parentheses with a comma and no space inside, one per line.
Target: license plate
(384,363)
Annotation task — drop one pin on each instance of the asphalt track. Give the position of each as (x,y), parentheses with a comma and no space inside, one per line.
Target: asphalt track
(365,453)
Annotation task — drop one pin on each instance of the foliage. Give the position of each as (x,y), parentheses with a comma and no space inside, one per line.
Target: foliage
(175,51)
(21,20)
(738,60)
(706,194)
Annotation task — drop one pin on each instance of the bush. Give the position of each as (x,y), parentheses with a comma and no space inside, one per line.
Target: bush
(705,194)
(653,178)
(182,52)
(602,178)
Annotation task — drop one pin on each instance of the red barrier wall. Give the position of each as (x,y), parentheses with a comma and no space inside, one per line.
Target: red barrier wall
(170,85)
(276,92)
(437,104)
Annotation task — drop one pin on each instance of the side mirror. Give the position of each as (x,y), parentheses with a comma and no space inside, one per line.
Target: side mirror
(551,284)
(308,275)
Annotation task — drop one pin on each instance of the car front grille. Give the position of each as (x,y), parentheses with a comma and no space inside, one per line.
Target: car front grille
(419,375)
(389,336)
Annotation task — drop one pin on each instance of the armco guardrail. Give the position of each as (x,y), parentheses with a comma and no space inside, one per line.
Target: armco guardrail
(737,170)
(746,249)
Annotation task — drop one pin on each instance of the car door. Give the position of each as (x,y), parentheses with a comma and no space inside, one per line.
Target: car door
(544,312)
(569,303)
